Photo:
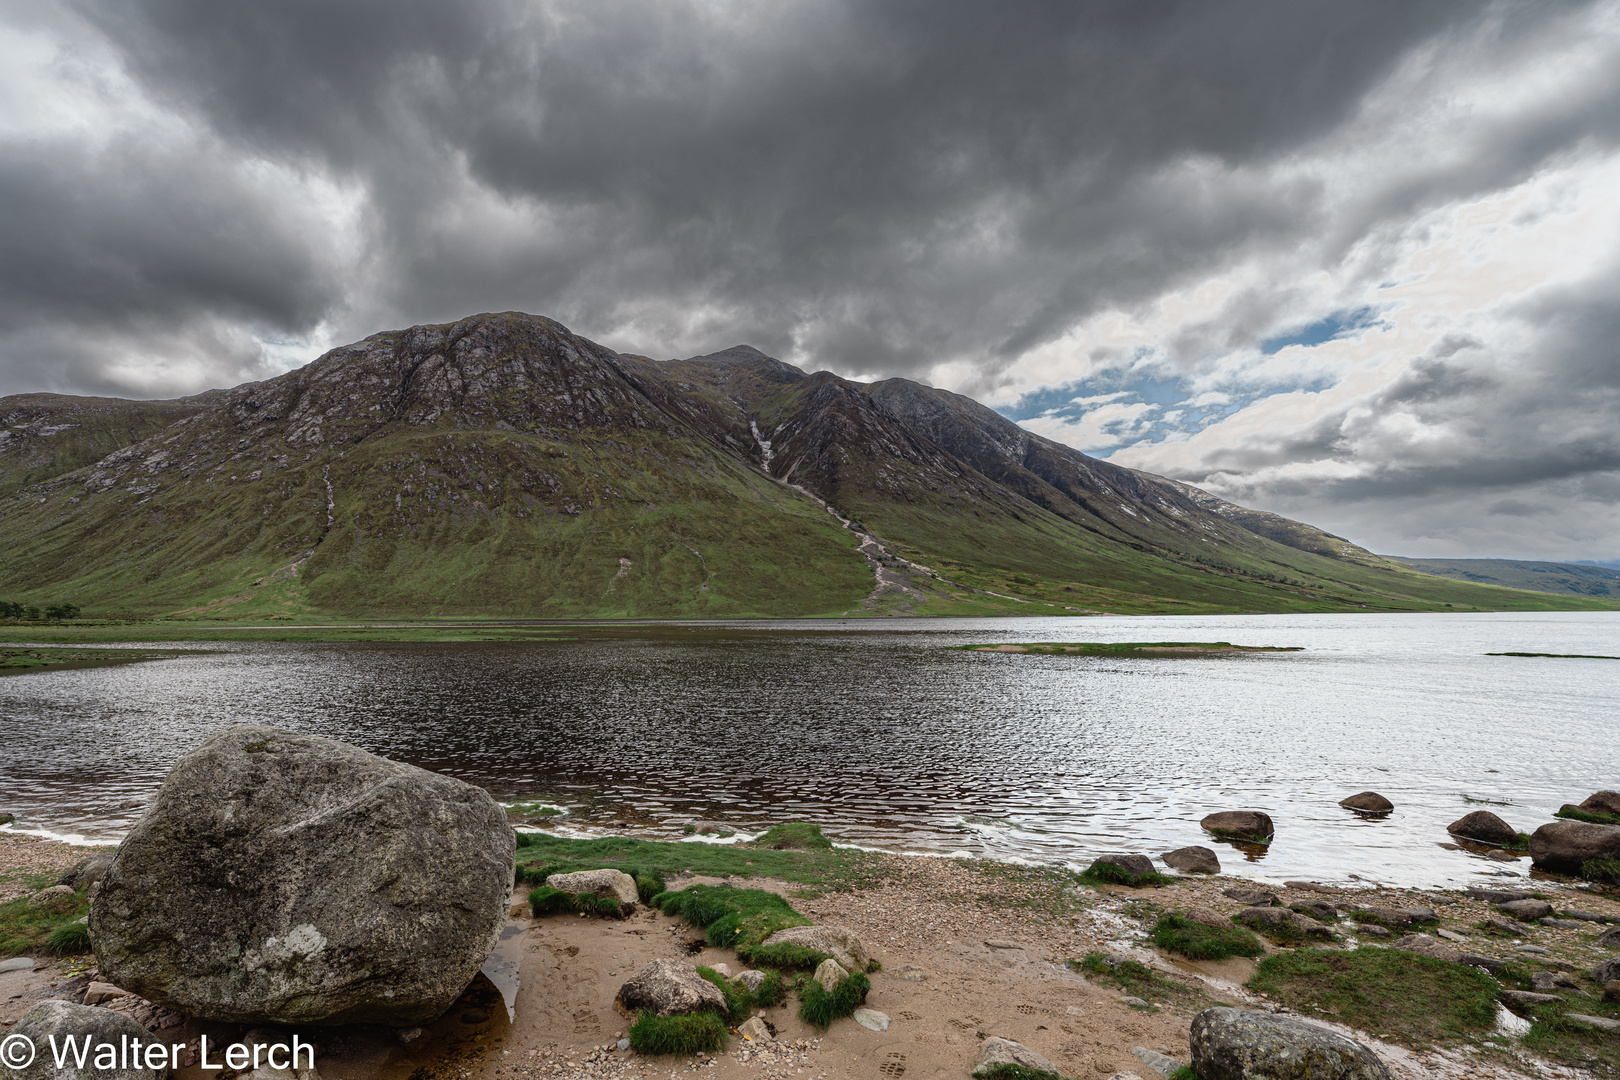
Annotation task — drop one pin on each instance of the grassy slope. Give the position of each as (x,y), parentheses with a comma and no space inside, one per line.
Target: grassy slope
(1552,577)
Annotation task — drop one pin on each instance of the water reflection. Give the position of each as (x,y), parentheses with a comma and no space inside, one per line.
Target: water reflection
(889,739)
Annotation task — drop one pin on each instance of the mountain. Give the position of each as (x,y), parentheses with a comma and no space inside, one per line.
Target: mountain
(503,466)
(1575,579)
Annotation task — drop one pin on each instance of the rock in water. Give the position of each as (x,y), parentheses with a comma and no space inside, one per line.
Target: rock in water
(996,1051)
(1235,1044)
(1239,824)
(1564,846)
(1192,860)
(669,988)
(1368,802)
(284,878)
(1484,826)
(1134,866)
(62,1020)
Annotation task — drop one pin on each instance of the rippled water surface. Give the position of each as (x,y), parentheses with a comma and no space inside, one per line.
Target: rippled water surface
(888,738)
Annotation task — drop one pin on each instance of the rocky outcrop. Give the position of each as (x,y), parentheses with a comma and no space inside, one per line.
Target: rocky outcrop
(1192,860)
(613,884)
(61,1020)
(996,1051)
(1484,826)
(284,878)
(1368,802)
(1563,847)
(1239,825)
(834,941)
(1237,1044)
(669,988)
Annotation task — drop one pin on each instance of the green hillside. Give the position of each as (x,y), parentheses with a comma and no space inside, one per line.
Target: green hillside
(503,467)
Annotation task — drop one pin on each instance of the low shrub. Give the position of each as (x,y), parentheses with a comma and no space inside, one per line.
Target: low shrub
(793,836)
(656,1035)
(820,1008)
(1181,935)
(70,939)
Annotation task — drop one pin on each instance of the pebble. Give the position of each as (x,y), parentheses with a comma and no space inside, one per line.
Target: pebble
(871,1020)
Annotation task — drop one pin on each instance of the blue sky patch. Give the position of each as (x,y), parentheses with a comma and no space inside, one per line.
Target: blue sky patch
(1322,330)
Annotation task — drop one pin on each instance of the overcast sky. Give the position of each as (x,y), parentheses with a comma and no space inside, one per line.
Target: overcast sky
(1357,263)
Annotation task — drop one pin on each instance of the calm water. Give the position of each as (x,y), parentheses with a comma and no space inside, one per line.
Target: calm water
(887,738)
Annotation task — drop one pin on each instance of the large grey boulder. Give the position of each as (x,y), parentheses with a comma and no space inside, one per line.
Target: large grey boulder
(834,941)
(1238,1044)
(669,988)
(63,1020)
(285,878)
(1563,846)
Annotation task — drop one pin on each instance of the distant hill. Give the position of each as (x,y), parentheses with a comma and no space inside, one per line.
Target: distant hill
(1573,579)
(503,466)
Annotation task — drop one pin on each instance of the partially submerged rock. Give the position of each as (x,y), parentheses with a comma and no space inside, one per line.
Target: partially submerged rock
(671,988)
(996,1051)
(61,1020)
(1368,802)
(1239,1044)
(1563,847)
(1484,826)
(613,884)
(1239,825)
(284,878)
(1192,860)
(834,941)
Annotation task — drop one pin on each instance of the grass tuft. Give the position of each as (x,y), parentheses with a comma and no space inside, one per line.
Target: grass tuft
(1604,871)
(794,836)
(26,928)
(820,1008)
(739,1005)
(1104,873)
(656,1035)
(1414,1000)
(69,939)
(1009,1071)
(1196,941)
(740,919)
(1136,978)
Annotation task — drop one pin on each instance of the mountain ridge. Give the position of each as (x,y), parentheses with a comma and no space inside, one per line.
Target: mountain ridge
(502,465)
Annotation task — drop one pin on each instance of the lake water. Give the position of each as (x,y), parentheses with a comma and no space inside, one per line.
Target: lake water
(887,738)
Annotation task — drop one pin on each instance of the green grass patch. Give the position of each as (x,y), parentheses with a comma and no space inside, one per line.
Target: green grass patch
(1009,1071)
(27,928)
(1135,978)
(741,919)
(793,836)
(739,1002)
(656,1035)
(1399,996)
(69,939)
(827,868)
(1606,871)
(546,901)
(820,1008)
(1110,874)
(1596,817)
(1180,935)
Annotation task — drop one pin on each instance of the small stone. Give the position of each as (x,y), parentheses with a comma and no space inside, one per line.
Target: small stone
(1528,910)
(913,973)
(1489,963)
(1602,1023)
(996,1051)
(59,1020)
(1534,950)
(1606,971)
(871,1020)
(1505,926)
(1134,865)
(622,1044)
(1251,896)
(1561,924)
(1158,1061)
(721,969)
(1497,896)
(1548,981)
(97,992)
(1001,943)
(46,896)
(1526,997)
(1267,916)
(1386,916)
(1192,860)
(608,883)
(1451,935)
(1368,802)
(1418,914)
(752,979)
(1424,945)
(1498,855)
(1316,909)
(16,963)
(1204,916)
(829,974)
(1134,1002)
(754,1030)
(1371,930)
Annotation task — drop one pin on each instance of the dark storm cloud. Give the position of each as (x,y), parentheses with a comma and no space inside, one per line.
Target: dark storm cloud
(881,185)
